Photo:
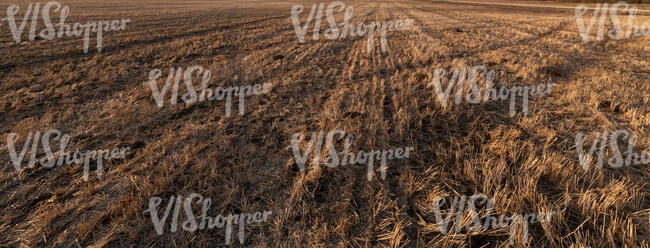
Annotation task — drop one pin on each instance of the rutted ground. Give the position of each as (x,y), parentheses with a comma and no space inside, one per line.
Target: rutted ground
(244,163)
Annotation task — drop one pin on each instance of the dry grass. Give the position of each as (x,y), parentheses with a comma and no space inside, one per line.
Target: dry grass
(529,164)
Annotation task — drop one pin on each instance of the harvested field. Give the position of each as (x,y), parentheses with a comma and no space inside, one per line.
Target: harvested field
(242,156)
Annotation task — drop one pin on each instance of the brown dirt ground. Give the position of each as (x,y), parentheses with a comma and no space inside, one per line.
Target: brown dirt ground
(244,163)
